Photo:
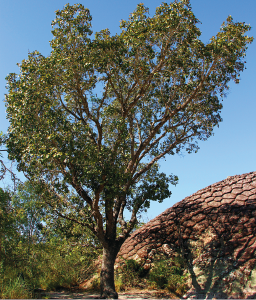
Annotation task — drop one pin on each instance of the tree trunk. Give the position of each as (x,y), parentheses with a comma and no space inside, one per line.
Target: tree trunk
(107,283)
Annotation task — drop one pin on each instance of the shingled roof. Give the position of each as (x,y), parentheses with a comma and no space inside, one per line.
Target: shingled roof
(218,220)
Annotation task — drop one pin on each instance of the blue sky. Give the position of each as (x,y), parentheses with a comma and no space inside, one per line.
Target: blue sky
(25,25)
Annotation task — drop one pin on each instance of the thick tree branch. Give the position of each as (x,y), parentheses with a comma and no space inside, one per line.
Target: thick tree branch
(90,116)
(80,119)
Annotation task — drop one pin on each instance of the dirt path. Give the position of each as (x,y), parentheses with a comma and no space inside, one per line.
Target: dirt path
(133,294)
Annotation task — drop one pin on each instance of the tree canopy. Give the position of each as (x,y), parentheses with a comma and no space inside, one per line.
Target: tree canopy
(91,121)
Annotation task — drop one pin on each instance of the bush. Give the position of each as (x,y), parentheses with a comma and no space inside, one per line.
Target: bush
(165,274)
(177,284)
(128,275)
(135,267)
(46,254)
(15,289)
(46,265)
(169,273)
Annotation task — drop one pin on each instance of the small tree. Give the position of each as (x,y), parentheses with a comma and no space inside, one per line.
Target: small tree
(160,93)
(8,230)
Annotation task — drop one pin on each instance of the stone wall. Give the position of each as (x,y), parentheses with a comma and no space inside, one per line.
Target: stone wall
(214,230)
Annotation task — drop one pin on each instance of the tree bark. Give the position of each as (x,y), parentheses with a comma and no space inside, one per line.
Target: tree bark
(107,283)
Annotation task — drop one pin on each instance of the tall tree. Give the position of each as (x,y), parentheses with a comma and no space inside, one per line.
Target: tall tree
(160,92)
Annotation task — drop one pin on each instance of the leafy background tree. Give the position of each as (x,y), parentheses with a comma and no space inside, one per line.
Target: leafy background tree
(161,89)
(37,249)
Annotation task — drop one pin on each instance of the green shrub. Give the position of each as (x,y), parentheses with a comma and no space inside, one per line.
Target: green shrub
(159,273)
(58,264)
(135,267)
(48,266)
(177,284)
(128,275)
(169,273)
(165,274)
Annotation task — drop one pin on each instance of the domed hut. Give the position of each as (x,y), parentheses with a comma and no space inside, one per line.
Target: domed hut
(214,231)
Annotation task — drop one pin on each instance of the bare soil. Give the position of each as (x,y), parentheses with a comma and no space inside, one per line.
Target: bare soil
(131,294)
